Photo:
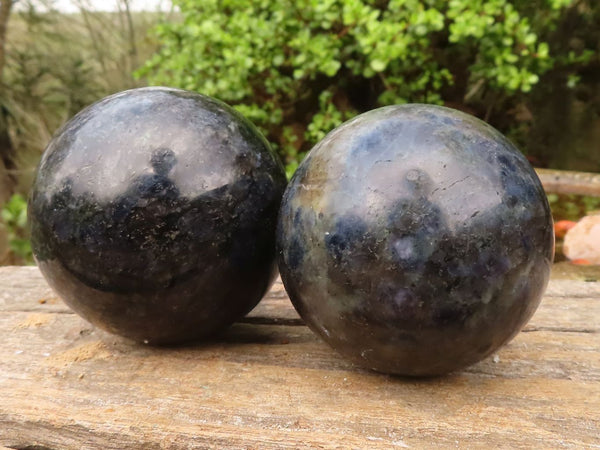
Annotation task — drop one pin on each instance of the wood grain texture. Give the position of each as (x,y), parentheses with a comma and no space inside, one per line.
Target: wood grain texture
(268,382)
(570,182)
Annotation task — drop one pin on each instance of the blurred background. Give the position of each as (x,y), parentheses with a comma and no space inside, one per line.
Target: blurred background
(299,68)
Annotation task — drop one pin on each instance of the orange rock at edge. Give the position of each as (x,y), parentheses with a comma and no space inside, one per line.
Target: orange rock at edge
(562,226)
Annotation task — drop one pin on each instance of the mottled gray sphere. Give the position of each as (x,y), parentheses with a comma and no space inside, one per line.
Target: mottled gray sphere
(153,214)
(415,240)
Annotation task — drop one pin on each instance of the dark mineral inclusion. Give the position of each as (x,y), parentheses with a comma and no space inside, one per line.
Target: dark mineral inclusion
(153,214)
(415,240)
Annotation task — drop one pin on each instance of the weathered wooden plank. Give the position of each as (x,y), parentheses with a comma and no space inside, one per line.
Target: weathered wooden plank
(570,182)
(271,383)
(24,289)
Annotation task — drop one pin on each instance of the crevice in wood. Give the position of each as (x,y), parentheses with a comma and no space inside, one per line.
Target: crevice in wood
(561,330)
(523,375)
(272,321)
(30,447)
(40,310)
(276,295)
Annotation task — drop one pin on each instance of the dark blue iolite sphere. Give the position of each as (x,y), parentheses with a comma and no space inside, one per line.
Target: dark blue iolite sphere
(415,240)
(153,214)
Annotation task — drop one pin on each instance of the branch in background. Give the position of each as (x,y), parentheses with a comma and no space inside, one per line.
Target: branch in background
(132,46)
(84,8)
(5,7)
(127,34)
(7,151)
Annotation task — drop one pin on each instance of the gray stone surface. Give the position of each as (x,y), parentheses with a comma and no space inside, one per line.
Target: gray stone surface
(153,214)
(415,240)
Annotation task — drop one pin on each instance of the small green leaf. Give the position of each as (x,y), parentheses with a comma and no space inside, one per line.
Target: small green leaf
(378,65)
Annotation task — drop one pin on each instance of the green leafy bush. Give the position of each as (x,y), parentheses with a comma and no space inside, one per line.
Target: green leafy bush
(300,68)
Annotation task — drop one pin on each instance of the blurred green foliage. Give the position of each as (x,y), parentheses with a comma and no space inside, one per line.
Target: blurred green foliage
(14,220)
(300,68)
(572,207)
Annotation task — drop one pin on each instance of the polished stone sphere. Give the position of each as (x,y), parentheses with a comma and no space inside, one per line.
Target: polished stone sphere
(153,214)
(415,240)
